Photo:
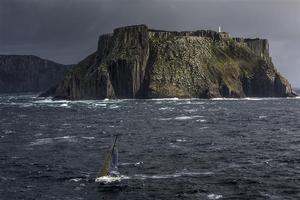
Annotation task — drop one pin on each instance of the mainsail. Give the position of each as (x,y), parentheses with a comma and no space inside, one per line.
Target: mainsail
(111,161)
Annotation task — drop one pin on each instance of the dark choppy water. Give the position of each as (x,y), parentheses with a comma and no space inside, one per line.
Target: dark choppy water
(169,149)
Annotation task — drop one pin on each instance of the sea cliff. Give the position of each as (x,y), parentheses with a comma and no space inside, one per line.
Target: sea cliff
(138,62)
(27,73)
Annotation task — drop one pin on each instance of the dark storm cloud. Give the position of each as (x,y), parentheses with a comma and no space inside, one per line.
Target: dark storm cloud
(67,30)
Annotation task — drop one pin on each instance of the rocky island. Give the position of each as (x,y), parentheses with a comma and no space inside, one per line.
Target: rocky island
(138,62)
(27,73)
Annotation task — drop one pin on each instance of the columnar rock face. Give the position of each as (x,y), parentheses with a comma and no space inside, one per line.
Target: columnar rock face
(28,73)
(259,46)
(137,62)
(116,70)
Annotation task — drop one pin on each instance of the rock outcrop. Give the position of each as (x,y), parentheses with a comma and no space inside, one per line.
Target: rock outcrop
(20,73)
(137,62)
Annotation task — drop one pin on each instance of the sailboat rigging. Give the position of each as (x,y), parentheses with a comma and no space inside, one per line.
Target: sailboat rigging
(110,164)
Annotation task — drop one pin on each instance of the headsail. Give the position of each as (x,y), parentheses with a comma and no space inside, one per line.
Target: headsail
(111,160)
(114,159)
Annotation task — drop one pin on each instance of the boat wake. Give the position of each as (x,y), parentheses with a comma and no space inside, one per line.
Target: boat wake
(119,178)
(169,176)
(111,179)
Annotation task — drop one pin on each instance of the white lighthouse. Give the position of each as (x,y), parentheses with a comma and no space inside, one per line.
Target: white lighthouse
(220,30)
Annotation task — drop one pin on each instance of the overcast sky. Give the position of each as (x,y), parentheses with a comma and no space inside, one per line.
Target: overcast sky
(66,31)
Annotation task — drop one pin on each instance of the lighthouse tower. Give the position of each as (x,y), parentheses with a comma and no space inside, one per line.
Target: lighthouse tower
(223,34)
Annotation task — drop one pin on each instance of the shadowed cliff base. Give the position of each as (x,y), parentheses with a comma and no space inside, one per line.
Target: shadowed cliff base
(137,62)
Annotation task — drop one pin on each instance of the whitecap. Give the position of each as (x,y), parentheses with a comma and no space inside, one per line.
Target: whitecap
(187,117)
(26,105)
(165,119)
(130,163)
(224,99)
(138,163)
(180,140)
(88,138)
(64,105)
(255,99)
(111,179)
(183,118)
(239,99)
(190,110)
(214,196)
(75,179)
(204,127)
(166,108)
(46,101)
(165,99)
(100,104)
(262,117)
(43,141)
(125,164)
(174,145)
(200,120)
(247,99)
(113,106)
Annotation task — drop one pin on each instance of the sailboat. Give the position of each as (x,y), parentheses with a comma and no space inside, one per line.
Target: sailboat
(109,170)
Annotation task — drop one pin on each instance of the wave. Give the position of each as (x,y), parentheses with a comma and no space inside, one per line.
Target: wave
(165,119)
(169,176)
(88,138)
(118,178)
(183,118)
(181,140)
(64,105)
(43,141)
(214,196)
(262,117)
(76,179)
(190,110)
(46,101)
(165,99)
(252,98)
(187,117)
(113,106)
(166,108)
(129,163)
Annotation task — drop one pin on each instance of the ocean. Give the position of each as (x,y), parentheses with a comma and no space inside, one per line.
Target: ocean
(168,148)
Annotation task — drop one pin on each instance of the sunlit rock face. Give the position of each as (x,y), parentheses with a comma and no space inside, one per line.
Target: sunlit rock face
(137,62)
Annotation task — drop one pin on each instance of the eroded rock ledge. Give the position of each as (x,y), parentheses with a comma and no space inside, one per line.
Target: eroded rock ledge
(137,62)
